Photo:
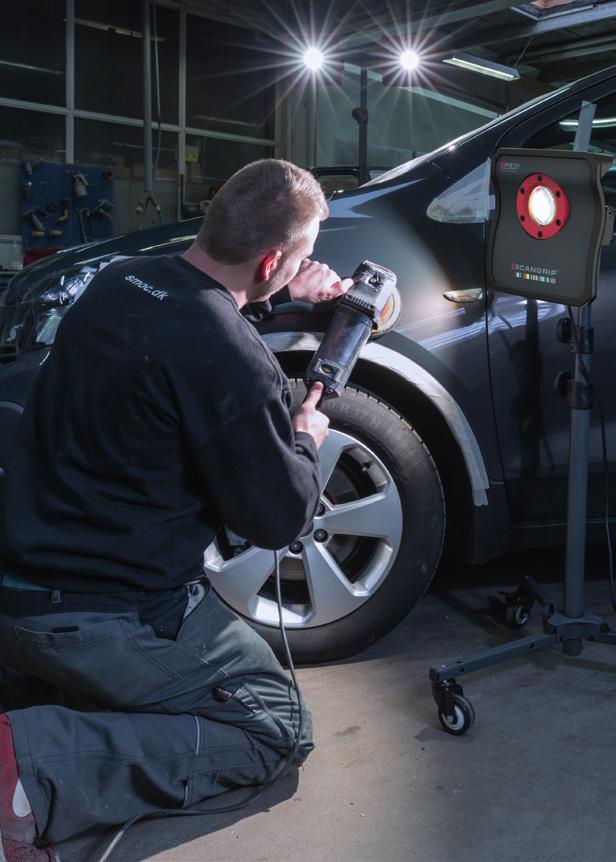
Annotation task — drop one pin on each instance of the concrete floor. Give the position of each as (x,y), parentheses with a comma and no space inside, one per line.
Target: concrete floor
(532,781)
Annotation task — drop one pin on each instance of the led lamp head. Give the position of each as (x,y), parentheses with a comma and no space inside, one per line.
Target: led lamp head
(543,206)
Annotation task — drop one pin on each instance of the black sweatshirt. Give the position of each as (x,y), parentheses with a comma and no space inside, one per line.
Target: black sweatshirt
(159,416)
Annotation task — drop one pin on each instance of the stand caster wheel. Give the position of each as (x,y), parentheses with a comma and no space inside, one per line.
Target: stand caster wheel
(462,719)
(516,616)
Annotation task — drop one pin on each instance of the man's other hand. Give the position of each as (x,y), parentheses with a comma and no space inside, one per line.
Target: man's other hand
(308,417)
(316,282)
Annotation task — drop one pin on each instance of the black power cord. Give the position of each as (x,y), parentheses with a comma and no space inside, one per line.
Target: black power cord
(276,775)
(606,472)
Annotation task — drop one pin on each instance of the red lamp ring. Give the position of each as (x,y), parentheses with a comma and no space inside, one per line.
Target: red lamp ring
(562,210)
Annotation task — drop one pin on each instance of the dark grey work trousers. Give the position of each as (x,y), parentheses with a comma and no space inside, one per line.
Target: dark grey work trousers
(168,723)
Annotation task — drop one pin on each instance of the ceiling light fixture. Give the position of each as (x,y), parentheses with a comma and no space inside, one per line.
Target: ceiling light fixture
(313,59)
(409,60)
(484,67)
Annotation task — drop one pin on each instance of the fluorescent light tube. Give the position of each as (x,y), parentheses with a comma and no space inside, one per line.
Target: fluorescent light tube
(484,67)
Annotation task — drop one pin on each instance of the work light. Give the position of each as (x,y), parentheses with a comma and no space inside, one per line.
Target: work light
(550,224)
(409,60)
(313,59)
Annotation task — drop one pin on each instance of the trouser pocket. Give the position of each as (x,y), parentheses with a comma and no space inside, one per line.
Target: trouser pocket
(113,661)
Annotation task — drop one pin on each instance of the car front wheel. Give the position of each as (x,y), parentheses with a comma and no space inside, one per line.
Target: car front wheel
(373,548)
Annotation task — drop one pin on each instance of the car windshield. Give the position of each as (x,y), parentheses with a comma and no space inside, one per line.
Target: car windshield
(519,111)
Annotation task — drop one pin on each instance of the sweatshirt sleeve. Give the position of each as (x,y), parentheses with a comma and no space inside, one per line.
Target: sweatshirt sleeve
(256,311)
(263,479)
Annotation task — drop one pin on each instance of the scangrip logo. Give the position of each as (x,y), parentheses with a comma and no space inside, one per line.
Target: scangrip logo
(535,273)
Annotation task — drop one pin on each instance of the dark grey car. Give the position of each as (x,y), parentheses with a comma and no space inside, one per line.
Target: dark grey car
(449,430)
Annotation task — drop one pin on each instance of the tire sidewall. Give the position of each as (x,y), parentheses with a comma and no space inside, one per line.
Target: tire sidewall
(372,422)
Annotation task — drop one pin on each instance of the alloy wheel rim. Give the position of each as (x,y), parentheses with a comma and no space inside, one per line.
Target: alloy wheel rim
(340,564)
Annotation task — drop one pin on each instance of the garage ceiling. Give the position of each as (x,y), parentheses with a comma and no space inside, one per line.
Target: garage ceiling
(550,41)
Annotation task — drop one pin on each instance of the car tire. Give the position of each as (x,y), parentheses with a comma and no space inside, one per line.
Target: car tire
(394,446)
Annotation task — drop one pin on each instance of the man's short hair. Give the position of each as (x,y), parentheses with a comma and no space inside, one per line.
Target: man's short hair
(267,203)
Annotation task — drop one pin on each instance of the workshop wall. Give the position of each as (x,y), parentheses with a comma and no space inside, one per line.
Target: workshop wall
(94,118)
(24,136)
(10,199)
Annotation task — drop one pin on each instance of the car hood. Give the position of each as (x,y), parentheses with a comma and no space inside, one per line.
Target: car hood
(166,239)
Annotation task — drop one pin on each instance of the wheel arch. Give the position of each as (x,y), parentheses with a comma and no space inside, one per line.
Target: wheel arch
(426,405)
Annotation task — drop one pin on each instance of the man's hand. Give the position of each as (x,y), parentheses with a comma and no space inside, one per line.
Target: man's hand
(316,282)
(309,419)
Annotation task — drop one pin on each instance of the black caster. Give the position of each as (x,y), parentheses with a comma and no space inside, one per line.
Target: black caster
(461,720)
(455,712)
(516,615)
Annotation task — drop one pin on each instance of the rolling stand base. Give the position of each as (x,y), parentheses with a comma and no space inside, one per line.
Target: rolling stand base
(455,712)
(573,626)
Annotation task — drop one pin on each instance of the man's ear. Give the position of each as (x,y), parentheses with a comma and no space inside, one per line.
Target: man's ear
(269,265)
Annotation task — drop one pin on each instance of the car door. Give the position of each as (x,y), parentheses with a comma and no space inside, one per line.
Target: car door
(525,356)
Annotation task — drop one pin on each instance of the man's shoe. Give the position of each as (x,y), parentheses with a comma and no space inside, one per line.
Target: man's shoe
(17,824)
(17,851)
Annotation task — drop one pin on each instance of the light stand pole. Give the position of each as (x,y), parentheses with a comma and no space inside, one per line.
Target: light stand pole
(360,115)
(312,122)
(579,394)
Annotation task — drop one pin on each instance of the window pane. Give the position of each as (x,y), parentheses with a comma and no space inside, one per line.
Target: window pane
(209,162)
(121,148)
(31,135)
(167,44)
(227,88)
(32,51)
(109,58)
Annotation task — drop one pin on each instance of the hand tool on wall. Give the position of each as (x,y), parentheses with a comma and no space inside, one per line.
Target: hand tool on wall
(28,169)
(64,205)
(80,185)
(33,216)
(99,210)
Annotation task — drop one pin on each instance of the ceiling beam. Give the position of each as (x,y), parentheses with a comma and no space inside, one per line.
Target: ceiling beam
(507,33)
(390,13)
(577,48)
